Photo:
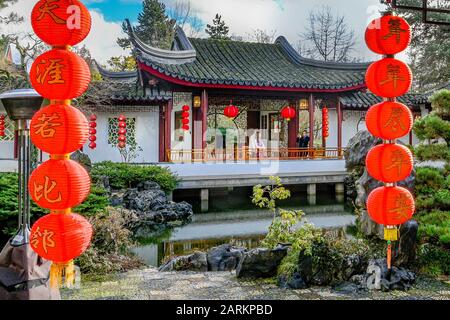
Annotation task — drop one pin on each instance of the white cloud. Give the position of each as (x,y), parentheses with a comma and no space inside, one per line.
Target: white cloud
(101,41)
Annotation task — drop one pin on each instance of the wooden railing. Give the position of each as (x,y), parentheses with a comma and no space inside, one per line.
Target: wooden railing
(246,154)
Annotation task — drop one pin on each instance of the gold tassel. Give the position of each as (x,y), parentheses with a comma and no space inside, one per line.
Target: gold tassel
(60,272)
(391,234)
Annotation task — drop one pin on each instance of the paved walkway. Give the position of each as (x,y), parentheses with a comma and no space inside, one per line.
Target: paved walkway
(149,284)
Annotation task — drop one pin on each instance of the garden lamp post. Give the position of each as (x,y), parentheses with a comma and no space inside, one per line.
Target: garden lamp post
(21,105)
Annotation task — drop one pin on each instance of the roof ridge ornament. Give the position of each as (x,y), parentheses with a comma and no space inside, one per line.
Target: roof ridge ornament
(160,55)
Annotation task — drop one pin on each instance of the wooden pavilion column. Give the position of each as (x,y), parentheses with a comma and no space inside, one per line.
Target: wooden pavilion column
(167,128)
(339,126)
(293,127)
(204,110)
(311,107)
(162,136)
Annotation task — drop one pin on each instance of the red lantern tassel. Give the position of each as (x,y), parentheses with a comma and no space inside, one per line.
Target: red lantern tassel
(62,274)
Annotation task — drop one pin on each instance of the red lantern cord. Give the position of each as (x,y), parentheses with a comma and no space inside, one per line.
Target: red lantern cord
(389,162)
(92,131)
(122,132)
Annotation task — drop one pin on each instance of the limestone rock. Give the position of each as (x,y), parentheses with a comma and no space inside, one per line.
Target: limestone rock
(152,206)
(357,148)
(404,252)
(193,262)
(224,257)
(260,262)
(379,277)
(83,159)
(294,282)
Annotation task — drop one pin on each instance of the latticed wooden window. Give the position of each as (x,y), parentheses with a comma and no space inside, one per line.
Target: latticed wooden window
(113,131)
(9,130)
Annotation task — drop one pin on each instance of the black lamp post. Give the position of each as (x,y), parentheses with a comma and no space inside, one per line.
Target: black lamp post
(21,105)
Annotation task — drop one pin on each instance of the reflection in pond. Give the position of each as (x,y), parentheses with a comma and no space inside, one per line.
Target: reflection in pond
(242,228)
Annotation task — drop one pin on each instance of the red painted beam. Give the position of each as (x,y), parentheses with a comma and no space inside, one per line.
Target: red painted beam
(178,81)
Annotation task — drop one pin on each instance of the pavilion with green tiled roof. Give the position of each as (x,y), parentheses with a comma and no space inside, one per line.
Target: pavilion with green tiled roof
(214,71)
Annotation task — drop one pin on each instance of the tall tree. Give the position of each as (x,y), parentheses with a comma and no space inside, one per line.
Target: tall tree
(218,30)
(154,26)
(186,17)
(429,50)
(122,63)
(327,36)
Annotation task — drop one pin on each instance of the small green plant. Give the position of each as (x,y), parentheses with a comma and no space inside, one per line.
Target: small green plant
(96,202)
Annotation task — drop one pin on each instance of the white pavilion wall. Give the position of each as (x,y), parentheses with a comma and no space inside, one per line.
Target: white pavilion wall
(146,135)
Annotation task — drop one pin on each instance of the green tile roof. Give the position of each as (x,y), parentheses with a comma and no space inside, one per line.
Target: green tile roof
(237,63)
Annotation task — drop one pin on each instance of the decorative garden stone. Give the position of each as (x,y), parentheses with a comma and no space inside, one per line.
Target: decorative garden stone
(224,257)
(260,262)
(404,252)
(193,262)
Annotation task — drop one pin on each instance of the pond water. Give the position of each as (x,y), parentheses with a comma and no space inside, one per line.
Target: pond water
(232,218)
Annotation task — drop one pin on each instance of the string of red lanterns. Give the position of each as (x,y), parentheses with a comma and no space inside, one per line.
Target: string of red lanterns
(185,118)
(122,132)
(60,129)
(2,125)
(93,131)
(389,162)
(325,123)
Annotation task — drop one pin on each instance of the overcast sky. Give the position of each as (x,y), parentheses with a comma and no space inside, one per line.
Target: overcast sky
(287,17)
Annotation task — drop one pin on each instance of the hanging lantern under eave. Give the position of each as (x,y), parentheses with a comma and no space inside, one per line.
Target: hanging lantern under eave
(231,111)
(60,75)
(389,120)
(288,113)
(59,184)
(389,78)
(49,129)
(2,125)
(389,163)
(61,22)
(390,206)
(92,131)
(388,35)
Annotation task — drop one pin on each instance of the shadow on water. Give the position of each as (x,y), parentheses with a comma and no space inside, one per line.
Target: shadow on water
(232,218)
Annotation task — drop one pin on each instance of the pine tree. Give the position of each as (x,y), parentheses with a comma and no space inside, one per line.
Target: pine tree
(218,30)
(154,27)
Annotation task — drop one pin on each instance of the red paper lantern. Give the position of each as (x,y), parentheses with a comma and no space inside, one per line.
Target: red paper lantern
(122,124)
(59,184)
(92,131)
(92,138)
(389,162)
(389,120)
(122,118)
(185,114)
(93,125)
(185,127)
(185,121)
(231,111)
(389,78)
(92,145)
(288,113)
(61,22)
(2,125)
(122,131)
(51,126)
(122,138)
(60,75)
(185,108)
(60,237)
(390,206)
(388,35)
(121,144)
(93,117)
